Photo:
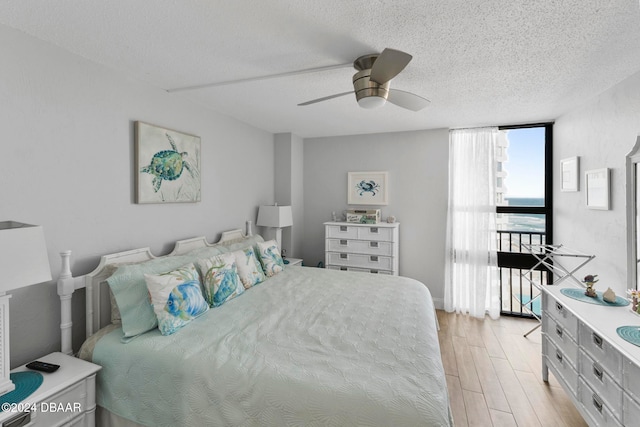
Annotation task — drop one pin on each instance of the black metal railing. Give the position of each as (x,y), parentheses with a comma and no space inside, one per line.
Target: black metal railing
(516,281)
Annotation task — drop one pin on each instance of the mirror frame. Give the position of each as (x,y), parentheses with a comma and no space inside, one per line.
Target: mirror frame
(632,162)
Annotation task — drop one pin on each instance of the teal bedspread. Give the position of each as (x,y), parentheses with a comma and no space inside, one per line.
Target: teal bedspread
(306,347)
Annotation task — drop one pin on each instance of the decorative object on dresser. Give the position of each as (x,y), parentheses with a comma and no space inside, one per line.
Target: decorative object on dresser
(23,262)
(66,397)
(368,188)
(599,370)
(597,185)
(370,248)
(167,165)
(275,217)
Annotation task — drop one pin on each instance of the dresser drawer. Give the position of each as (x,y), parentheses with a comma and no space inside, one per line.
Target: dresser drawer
(362,270)
(562,316)
(375,233)
(342,231)
(600,351)
(560,364)
(597,377)
(630,410)
(375,262)
(596,408)
(631,379)
(561,338)
(371,247)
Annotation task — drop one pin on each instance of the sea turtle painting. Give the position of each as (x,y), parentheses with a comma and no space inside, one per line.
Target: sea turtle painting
(167,165)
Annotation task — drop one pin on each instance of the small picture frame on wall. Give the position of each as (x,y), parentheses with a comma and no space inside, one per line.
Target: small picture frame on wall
(167,164)
(597,189)
(569,173)
(368,188)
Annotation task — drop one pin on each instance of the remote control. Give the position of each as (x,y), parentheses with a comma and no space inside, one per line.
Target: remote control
(42,366)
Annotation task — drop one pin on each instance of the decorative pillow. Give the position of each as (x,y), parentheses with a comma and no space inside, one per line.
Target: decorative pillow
(176,297)
(270,258)
(220,278)
(132,296)
(249,268)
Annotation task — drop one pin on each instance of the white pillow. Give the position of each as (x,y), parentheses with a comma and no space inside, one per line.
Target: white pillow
(176,297)
(270,258)
(249,268)
(220,278)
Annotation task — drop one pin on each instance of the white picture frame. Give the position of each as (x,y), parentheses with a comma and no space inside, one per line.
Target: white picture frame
(368,188)
(597,189)
(569,174)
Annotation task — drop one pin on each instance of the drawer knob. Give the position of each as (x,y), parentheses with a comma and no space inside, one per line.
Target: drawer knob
(344,242)
(343,228)
(19,420)
(374,258)
(559,307)
(559,331)
(344,256)
(597,402)
(597,340)
(374,229)
(559,355)
(374,271)
(373,244)
(343,268)
(597,371)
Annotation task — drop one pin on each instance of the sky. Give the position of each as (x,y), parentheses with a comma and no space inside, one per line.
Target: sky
(525,167)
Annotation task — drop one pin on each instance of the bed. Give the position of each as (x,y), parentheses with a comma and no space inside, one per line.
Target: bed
(306,346)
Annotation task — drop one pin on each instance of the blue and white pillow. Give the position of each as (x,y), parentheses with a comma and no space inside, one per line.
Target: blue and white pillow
(176,297)
(270,258)
(249,268)
(220,278)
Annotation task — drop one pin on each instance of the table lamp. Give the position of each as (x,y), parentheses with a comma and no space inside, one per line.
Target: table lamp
(23,262)
(275,217)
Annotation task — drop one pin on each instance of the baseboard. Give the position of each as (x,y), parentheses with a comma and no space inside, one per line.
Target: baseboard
(439,303)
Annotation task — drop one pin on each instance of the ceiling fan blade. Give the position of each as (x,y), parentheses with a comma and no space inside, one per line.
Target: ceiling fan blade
(324,99)
(388,65)
(407,100)
(258,78)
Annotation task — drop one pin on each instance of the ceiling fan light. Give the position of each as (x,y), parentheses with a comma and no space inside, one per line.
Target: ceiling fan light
(371,102)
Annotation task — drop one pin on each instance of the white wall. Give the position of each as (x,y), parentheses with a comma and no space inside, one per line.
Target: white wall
(67,164)
(417,163)
(601,132)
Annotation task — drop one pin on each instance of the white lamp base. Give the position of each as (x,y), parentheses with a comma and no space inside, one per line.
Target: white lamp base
(6,385)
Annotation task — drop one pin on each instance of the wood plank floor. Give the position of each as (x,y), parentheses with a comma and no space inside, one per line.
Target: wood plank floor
(494,375)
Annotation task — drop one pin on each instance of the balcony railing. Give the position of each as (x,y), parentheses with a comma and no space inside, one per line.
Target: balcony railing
(516,288)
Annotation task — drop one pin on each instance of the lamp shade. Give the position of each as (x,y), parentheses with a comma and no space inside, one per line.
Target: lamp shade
(275,216)
(23,256)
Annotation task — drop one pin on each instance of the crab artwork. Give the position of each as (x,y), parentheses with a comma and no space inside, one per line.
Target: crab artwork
(167,165)
(367,187)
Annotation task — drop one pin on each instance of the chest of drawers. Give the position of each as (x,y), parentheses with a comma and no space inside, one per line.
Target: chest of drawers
(370,248)
(599,370)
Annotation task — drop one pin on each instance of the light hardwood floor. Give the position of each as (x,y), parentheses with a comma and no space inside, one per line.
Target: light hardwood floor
(494,374)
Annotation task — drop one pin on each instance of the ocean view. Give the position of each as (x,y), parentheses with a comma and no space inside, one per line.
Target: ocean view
(522,222)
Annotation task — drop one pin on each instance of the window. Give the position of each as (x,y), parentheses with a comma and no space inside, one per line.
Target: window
(524,206)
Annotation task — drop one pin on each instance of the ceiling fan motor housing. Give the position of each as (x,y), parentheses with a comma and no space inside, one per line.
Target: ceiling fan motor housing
(365,88)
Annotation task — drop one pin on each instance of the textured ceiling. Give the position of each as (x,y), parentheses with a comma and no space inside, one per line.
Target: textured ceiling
(479,62)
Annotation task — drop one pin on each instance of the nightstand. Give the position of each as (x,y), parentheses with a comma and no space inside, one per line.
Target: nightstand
(293,261)
(66,397)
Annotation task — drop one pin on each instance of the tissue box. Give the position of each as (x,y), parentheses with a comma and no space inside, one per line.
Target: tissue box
(363,216)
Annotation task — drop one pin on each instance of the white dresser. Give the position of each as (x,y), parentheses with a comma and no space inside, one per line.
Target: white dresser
(599,370)
(370,248)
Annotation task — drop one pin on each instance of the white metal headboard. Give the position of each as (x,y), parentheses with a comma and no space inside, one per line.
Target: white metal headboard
(92,281)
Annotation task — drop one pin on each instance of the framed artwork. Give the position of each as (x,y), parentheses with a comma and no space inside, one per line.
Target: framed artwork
(597,186)
(569,172)
(167,165)
(367,188)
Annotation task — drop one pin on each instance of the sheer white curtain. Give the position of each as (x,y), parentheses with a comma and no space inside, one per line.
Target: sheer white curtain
(471,272)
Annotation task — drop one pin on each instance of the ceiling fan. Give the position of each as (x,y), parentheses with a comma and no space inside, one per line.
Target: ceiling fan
(371,82)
